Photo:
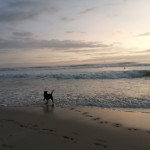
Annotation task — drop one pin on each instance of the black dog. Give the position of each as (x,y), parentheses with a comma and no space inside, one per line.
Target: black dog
(48,96)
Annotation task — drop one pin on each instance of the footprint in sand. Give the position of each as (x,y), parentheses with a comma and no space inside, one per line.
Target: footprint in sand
(135,129)
(101,143)
(103,122)
(35,125)
(85,113)
(22,126)
(78,110)
(6,146)
(96,118)
(10,120)
(16,123)
(69,139)
(117,125)
(132,129)
(90,116)
(49,131)
(36,128)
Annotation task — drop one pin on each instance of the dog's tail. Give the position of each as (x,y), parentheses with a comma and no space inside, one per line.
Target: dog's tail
(52,91)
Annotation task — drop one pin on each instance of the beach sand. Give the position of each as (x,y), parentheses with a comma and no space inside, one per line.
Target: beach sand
(72,128)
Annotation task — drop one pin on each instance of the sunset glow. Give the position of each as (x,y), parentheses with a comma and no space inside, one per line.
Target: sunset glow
(68,32)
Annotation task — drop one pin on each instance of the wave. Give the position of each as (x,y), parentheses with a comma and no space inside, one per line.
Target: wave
(82,66)
(105,75)
(87,75)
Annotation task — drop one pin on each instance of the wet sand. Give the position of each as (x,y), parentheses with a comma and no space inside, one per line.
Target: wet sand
(72,128)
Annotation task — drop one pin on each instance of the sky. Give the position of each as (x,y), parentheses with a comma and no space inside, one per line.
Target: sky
(71,32)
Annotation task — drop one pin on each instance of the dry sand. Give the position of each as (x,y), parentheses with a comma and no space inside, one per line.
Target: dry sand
(72,128)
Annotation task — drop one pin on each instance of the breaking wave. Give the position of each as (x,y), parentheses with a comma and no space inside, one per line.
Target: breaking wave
(86,75)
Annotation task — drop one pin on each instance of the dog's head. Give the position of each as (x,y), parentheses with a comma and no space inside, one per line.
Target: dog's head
(45,92)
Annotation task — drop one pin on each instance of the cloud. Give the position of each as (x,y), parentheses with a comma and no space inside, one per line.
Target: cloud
(50,44)
(69,32)
(148,50)
(81,50)
(144,34)
(13,11)
(116,3)
(67,19)
(22,34)
(113,4)
(143,51)
(87,10)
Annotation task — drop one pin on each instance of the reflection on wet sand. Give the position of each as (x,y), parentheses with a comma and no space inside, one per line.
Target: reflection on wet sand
(48,108)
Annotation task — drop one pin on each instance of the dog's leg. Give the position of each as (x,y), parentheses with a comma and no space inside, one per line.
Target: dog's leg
(52,99)
(47,102)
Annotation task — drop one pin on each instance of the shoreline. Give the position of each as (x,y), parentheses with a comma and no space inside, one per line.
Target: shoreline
(120,109)
(82,128)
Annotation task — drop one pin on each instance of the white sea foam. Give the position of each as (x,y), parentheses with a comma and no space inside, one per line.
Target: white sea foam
(77,73)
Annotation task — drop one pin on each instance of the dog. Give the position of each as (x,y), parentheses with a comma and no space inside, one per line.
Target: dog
(48,96)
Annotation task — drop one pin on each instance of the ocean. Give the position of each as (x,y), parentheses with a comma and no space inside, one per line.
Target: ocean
(120,85)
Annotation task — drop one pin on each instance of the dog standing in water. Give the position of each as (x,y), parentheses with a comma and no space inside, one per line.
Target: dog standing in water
(48,96)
